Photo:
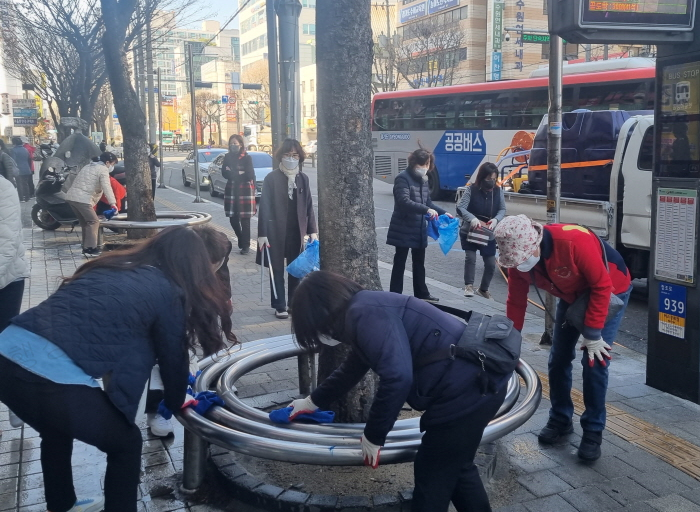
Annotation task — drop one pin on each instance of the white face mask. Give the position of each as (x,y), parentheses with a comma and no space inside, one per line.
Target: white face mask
(289,164)
(327,340)
(422,171)
(528,264)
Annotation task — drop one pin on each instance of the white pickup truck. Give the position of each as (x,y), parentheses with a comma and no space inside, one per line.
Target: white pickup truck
(624,219)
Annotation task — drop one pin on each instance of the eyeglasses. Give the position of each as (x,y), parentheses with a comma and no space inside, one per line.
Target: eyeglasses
(293,155)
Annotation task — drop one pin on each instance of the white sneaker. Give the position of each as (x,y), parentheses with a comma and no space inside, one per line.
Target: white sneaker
(159,426)
(469,290)
(15,421)
(281,314)
(89,505)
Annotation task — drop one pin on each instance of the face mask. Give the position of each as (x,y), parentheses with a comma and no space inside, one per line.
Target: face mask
(489,184)
(289,164)
(528,264)
(233,148)
(327,340)
(422,171)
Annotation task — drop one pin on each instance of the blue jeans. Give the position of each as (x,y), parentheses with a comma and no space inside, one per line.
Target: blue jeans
(595,379)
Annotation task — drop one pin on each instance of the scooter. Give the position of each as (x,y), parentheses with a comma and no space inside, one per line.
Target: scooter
(51,210)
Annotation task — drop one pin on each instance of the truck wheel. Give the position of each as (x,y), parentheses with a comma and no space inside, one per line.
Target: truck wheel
(184,179)
(434,185)
(44,219)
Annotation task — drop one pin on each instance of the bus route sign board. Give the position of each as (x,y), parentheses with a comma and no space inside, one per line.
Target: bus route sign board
(623,21)
(672,309)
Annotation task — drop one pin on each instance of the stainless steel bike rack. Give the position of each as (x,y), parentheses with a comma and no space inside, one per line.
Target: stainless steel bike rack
(249,431)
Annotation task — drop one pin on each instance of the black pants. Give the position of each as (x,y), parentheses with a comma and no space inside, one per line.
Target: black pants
(292,249)
(31,185)
(11,300)
(418,256)
(242,229)
(59,412)
(444,468)
(153,188)
(25,184)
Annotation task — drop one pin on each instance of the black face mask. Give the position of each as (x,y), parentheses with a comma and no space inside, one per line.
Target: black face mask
(488,184)
(234,148)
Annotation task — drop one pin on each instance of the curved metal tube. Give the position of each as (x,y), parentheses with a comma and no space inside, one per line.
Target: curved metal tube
(120,221)
(249,431)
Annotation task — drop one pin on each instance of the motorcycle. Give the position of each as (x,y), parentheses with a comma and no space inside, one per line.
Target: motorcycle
(51,211)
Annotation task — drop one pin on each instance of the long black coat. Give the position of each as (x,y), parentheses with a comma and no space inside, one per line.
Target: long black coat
(388,332)
(408,227)
(272,214)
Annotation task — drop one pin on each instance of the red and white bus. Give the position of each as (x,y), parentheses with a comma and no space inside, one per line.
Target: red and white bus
(465,125)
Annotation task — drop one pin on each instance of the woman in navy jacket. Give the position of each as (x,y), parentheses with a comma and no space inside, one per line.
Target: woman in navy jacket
(112,319)
(388,333)
(408,228)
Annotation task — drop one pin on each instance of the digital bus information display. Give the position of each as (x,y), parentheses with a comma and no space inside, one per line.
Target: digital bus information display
(648,13)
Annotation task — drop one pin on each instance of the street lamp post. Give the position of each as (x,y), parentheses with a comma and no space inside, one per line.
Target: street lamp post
(193,123)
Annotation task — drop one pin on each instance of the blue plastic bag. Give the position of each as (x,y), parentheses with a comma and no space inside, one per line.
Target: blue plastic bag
(307,261)
(449,232)
(432,227)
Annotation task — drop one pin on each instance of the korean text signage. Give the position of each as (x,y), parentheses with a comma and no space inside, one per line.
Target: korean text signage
(497,36)
(24,103)
(440,5)
(519,43)
(676,214)
(655,14)
(496,65)
(672,309)
(413,12)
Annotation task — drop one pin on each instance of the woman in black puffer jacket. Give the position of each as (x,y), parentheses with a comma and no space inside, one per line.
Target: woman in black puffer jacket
(112,319)
(408,228)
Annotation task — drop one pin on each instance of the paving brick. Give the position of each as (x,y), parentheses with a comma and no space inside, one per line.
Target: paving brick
(512,508)
(578,474)
(543,483)
(353,503)
(660,483)
(673,503)
(625,490)
(590,498)
(693,495)
(612,467)
(320,502)
(554,503)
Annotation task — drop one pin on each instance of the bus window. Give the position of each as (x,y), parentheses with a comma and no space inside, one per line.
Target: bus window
(434,113)
(391,115)
(482,111)
(380,115)
(528,108)
(646,151)
(619,96)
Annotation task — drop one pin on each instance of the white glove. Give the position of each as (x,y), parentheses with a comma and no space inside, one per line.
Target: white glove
(474,223)
(433,214)
(492,224)
(370,453)
(313,236)
(262,242)
(302,406)
(596,348)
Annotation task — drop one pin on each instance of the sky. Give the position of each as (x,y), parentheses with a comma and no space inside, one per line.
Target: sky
(221,10)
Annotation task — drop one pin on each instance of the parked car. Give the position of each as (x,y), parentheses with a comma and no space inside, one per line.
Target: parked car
(262,163)
(205,157)
(311,147)
(186,146)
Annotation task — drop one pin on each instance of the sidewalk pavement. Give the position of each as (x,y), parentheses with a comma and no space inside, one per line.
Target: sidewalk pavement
(650,450)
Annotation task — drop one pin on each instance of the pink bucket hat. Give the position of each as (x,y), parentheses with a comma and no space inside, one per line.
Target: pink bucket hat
(517,237)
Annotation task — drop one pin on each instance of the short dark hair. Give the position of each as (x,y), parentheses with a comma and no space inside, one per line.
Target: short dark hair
(108,156)
(237,138)
(288,146)
(319,305)
(421,157)
(486,170)
(17,141)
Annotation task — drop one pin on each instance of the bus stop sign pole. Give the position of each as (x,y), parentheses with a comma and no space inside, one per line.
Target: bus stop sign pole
(553,159)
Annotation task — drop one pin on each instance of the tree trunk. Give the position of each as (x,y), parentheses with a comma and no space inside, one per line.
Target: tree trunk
(346,204)
(131,116)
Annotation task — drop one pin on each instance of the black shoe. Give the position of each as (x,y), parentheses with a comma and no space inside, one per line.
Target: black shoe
(430,298)
(245,251)
(589,449)
(92,252)
(553,431)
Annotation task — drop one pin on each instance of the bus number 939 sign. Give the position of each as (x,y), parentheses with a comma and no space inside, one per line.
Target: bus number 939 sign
(672,309)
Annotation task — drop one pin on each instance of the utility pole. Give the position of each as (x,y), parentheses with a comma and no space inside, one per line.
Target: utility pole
(149,77)
(588,52)
(193,123)
(390,49)
(288,12)
(273,64)
(605,52)
(140,76)
(553,158)
(160,133)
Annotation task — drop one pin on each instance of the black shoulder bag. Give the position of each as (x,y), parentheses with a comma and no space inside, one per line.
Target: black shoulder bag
(488,341)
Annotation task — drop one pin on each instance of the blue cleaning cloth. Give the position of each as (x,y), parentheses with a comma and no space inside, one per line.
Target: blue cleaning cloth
(109,213)
(433,227)
(201,403)
(193,378)
(282,416)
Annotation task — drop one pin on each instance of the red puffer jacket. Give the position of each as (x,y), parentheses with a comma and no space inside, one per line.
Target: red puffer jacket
(571,262)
